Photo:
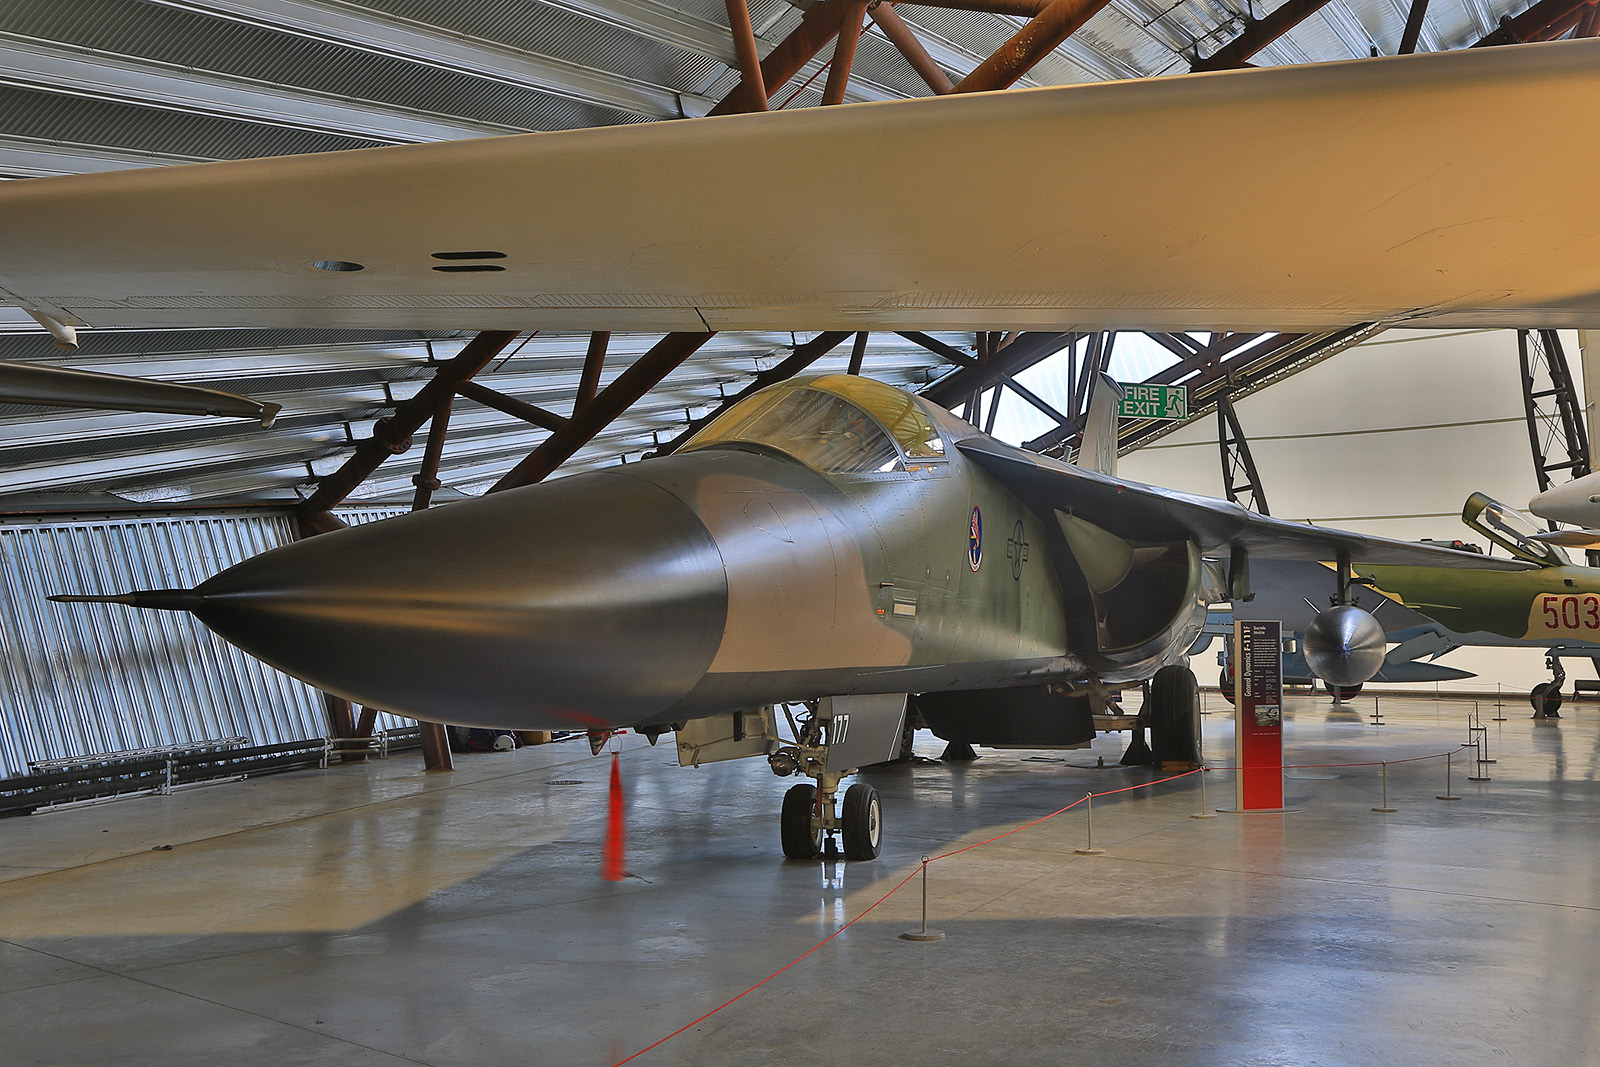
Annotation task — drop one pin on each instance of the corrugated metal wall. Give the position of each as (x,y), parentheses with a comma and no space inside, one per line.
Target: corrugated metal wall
(87,679)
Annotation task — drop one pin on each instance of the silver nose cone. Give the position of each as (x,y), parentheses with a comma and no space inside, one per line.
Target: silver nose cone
(1344,645)
(595,600)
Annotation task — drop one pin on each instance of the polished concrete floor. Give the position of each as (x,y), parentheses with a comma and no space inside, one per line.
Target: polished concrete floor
(379,915)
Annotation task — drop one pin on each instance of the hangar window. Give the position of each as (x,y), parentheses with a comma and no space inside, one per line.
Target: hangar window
(819,429)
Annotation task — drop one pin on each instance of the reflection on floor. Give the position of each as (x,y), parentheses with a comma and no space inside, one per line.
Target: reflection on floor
(378,915)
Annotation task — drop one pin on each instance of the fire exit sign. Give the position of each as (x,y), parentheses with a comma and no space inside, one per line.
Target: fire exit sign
(1142,401)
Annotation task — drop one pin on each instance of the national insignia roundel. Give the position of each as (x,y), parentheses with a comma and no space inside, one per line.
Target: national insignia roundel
(975,539)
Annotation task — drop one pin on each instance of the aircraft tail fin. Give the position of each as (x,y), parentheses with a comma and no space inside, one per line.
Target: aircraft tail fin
(1098,452)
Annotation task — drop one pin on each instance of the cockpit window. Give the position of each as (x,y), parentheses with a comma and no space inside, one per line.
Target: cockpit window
(1511,530)
(899,412)
(817,428)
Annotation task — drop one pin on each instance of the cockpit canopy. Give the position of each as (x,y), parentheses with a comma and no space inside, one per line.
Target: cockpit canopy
(1511,530)
(836,423)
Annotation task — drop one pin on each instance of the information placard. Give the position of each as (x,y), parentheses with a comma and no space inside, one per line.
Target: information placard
(1258,693)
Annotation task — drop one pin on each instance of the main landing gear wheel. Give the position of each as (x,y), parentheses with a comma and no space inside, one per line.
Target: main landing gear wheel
(1546,699)
(862,823)
(1225,683)
(798,827)
(1175,716)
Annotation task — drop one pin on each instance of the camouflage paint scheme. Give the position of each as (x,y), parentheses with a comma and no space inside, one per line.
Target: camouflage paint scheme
(828,536)
(1552,601)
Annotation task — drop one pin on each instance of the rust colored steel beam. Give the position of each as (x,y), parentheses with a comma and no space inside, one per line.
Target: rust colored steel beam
(1209,356)
(905,42)
(1018,356)
(1562,25)
(801,358)
(744,46)
(1179,345)
(1590,26)
(613,400)
(844,54)
(1413,30)
(1058,21)
(435,747)
(392,435)
(427,479)
(510,405)
(1258,34)
(818,26)
(1219,370)
(593,362)
(1532,21)
(858,353)
(1021,8)
(942,350)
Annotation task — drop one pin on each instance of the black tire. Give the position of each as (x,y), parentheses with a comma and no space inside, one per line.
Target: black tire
(1225,683)
(1545,698)
(1342,692)
(802,838)
(862,823)
(1175,716)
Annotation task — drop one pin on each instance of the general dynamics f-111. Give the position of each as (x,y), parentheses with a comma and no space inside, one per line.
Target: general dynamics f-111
(834,540)
(830,542)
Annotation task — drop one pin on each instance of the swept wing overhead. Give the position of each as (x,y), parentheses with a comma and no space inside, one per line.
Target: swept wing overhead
(1280,198)
(1139,512)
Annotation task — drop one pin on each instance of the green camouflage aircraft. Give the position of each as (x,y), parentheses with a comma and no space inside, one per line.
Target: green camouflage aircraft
(1554,603)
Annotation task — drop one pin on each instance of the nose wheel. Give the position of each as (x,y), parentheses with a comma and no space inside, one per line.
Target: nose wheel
(808,822)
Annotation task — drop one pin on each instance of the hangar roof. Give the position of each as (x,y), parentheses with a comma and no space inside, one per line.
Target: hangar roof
(109,84)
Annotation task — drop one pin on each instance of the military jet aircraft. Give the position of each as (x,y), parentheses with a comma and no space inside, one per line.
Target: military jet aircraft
(1424,612)
(830,540)
(834,540)
(1555,605)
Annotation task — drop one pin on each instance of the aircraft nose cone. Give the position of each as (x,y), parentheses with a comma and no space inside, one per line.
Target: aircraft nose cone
(1344,645)
(595,600)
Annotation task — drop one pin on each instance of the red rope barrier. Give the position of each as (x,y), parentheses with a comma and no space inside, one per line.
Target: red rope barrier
(1327,766)
(896,888)
(989,841)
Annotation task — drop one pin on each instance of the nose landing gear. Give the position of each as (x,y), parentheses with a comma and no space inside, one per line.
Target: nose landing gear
(849,733)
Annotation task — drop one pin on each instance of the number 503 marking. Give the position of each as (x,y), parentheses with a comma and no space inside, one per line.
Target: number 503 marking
(1568,612)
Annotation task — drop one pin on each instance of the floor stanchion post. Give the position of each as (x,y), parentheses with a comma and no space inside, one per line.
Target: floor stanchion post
(923,934)
(1480,772)
(1386,809)
(1205,812)
(1447,794)
(1088,816)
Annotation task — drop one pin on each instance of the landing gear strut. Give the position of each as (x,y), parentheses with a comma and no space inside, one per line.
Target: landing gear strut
(1546,696)
(808,821)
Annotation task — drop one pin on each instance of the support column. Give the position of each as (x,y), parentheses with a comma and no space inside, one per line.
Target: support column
(392,435)
(844,53)
(1060,20)
(594,361)
(819,25)
(744,46)
(894,27)
(595,416)
(1260,33)
(427,479)
(1413,30)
